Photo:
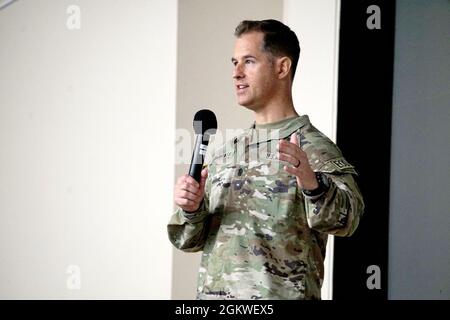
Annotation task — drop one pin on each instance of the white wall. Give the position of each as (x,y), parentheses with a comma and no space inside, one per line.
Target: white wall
(316,24)
(82,179)
(315,87)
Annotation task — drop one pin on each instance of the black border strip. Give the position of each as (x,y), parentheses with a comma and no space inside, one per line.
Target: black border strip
(365,87)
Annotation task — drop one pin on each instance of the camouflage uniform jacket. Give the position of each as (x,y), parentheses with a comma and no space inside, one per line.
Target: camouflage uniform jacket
(261,237)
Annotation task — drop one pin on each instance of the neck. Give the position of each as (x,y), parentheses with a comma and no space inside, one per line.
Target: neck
(276,110)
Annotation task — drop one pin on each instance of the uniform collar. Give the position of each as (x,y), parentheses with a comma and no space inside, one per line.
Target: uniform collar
(276,130)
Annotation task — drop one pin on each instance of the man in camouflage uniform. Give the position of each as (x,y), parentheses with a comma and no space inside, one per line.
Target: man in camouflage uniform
(269,197)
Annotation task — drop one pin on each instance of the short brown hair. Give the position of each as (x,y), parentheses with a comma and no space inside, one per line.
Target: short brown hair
(278,39)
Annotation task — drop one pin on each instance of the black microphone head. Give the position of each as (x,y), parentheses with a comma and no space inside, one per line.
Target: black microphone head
(205,120)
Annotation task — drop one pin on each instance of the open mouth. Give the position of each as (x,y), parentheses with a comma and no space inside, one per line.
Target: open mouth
(241,87)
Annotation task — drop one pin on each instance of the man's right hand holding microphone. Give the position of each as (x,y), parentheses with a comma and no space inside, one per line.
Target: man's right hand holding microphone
(188,193)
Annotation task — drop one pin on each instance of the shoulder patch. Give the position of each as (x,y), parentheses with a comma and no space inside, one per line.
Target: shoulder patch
(339,165)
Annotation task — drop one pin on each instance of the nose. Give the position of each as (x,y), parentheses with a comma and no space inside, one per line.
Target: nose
(237,72)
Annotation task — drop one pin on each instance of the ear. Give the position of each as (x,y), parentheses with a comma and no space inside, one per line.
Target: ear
(283,67)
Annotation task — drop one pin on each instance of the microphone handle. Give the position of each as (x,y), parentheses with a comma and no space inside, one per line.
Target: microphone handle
(198,157)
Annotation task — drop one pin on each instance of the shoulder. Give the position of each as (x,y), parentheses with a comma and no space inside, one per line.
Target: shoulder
(323,154)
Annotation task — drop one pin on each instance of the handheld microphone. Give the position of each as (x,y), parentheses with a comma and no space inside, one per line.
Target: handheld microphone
(205,125)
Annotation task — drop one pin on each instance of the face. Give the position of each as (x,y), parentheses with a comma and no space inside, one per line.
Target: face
(254,72)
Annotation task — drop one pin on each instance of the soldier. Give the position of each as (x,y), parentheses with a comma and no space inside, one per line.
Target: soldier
(262,212)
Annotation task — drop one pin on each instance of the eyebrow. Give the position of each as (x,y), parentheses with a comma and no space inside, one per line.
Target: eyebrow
(233,59)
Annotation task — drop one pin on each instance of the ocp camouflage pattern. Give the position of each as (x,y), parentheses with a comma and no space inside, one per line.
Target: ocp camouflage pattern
(261,237)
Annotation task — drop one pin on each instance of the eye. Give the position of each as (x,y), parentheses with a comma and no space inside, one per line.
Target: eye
(248,61)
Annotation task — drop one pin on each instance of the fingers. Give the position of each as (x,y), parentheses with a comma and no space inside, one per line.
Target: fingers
(292,170)
(296,172)
(188,180)
(291,152)
(204,175)
(290,148)
(306,178)
(294,139)
(188,184)
(290,159)
(189,193)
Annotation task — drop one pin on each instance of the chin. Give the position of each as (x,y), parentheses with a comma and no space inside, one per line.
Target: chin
(246,104)
(249,107)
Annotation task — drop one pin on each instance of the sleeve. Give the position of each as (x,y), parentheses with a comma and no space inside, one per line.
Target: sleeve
(339,210)
(188,231)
